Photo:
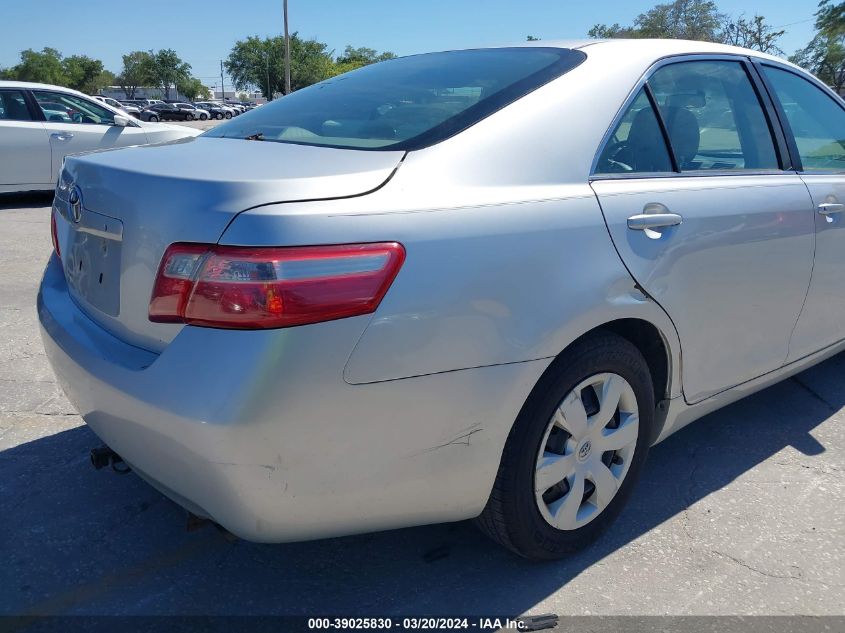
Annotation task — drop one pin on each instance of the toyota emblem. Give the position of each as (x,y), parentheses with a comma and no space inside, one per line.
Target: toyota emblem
(75,204)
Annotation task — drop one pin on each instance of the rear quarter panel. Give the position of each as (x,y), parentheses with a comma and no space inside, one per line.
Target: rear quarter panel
(508,255)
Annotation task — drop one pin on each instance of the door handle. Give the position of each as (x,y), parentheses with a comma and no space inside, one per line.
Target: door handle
(645,221)
(62,136)
(827,208)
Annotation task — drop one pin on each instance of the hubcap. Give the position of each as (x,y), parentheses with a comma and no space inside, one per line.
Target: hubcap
(586,451)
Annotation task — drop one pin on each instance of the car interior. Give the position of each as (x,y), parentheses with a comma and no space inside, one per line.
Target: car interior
(712,116)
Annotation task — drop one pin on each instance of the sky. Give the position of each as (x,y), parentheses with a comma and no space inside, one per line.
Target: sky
(203,31)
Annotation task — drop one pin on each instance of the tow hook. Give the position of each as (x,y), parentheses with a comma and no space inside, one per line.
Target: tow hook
(103,456)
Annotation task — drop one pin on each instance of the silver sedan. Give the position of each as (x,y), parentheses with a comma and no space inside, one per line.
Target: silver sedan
(471,284)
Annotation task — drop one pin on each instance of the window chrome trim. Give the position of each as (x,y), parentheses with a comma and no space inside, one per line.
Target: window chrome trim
(692,174)
(643,80)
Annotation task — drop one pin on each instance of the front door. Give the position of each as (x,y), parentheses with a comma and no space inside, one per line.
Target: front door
(816,121)
(708,224)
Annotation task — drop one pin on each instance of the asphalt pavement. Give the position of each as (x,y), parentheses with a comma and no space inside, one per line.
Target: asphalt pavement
(741,513)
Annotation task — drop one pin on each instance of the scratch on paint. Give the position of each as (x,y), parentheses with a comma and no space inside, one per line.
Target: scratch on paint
(463,439)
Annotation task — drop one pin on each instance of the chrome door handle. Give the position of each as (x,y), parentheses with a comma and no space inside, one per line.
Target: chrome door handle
(62,136)
(645,221)
(826,208)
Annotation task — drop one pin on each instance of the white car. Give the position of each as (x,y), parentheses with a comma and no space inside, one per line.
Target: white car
(129,109)
(41,124)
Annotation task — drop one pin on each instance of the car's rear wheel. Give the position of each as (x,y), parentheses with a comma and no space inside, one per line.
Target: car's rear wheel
(203,117)
(218,116)
(189,117)
(575,451)
(228,115)
(153,119)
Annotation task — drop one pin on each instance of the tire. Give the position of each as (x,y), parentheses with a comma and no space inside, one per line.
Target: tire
(228,115)
(189,117)
(153,119)
(513,516)
(219,116)
(203,117)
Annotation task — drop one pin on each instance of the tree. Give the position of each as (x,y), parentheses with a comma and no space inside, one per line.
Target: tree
(531,38)
(611,31)
(137,71)
(830,18)
(257,62)
(310,62)
(83,73)
(192,88)
(680,19)
(260,62)
(42,67)
(753,33)
(824,56)
(167,69)
(353,58)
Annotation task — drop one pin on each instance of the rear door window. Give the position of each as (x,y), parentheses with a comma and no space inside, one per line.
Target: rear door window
(636,144)
(713,116)
(816,120)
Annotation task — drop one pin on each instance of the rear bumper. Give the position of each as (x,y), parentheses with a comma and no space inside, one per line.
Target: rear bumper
(259,431)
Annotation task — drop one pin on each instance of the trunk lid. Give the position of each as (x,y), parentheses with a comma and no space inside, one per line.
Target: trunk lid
(136,201)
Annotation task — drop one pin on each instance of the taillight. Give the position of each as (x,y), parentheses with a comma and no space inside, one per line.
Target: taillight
(54,234)
(243,287)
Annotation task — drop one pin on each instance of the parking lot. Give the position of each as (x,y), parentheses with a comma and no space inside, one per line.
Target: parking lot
(741,513)
(198,125)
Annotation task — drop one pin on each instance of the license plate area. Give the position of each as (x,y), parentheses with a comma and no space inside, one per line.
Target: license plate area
(92,261)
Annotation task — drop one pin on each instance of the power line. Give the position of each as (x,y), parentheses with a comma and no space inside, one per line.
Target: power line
(794,23)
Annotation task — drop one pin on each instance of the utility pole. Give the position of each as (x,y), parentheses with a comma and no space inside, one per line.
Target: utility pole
(287,51)
(269,95)
(222,85)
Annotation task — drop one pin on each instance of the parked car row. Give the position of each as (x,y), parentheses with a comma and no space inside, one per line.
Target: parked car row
(157,110)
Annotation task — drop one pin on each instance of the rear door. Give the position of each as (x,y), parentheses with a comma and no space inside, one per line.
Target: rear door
(707,217)
(78,125)
(23,142)
(815,122)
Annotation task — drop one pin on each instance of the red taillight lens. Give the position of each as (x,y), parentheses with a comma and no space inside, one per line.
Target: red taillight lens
(238,287)
(54,234)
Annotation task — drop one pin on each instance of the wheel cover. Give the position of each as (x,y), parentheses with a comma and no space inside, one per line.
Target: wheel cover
(586,451)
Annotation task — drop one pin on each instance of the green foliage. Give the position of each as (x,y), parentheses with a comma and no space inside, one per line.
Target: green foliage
(43,67)
(611,31)
(260,62)
(83,73)
(532,38)
(79,72)
(696,20)
(166,69)
(680,19)
(192,88)
(824,56)
(830,18)
(136,72)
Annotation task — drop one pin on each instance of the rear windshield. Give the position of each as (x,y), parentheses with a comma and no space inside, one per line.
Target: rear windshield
(405,103)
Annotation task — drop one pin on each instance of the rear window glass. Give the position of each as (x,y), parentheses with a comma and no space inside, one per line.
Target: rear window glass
(404,103)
